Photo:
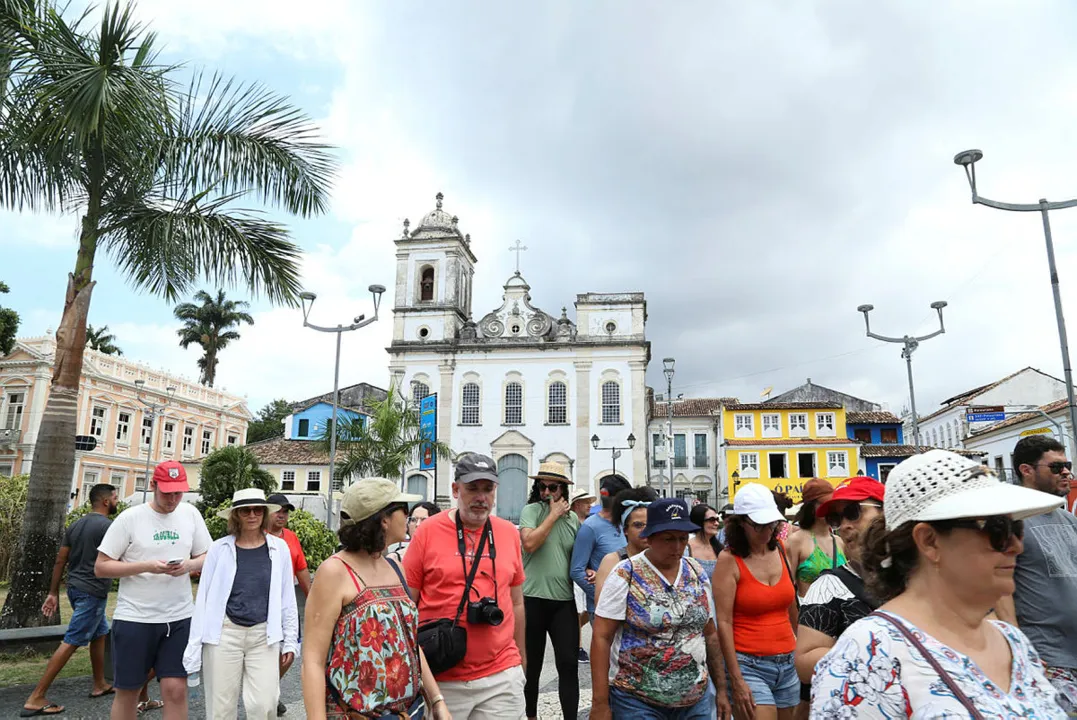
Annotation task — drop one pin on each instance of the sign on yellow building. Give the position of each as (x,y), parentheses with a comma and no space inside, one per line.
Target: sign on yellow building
(783,445)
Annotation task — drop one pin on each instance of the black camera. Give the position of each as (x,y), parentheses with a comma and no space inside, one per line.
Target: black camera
(484,611)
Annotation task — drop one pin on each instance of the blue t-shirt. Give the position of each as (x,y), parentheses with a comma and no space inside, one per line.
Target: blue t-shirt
(597,538)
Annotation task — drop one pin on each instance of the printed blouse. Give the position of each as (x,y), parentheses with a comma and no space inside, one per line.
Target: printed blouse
(658,654)
(873,672)
(373,666)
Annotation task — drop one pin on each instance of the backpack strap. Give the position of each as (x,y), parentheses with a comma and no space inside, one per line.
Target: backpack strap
(854,582)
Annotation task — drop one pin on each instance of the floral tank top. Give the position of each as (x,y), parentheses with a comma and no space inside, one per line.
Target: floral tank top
(373,667)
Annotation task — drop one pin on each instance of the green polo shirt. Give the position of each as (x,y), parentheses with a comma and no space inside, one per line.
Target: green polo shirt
(546,569)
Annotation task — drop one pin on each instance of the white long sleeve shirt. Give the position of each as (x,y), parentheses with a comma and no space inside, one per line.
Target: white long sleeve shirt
(214,587)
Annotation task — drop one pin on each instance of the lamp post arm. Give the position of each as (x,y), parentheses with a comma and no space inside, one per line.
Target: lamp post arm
(921,338)
(1023,207)
(884,338)
(342,328)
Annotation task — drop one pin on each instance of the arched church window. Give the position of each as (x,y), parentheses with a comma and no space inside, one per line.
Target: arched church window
(469,407)
(418,392)
(611,402)
(558,404)
(426,285)
(514,404)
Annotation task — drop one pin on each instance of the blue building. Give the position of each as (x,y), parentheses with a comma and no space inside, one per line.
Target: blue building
(883,439)
(311,421)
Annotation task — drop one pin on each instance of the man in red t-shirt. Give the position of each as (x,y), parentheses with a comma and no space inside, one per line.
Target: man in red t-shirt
(278,525)
(489,681)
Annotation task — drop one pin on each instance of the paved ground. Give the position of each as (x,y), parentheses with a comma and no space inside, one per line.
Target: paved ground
(72,694)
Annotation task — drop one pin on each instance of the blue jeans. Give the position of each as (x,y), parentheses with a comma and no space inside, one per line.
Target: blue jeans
(772,679)
(628,707)
(87,618)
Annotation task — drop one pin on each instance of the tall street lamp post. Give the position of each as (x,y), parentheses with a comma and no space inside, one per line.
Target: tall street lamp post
(308,299)
(667,370)
(615,451)
(153,409)
(968,160)
(910,342)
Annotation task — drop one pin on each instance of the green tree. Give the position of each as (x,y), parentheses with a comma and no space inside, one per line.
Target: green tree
(85,508)
(270,421)
(383,445)
(12,511)
(101,340)
(9,325)
(228,469)
(92,123)
(209,324)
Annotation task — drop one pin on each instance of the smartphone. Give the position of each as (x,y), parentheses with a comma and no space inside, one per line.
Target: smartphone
(175,561)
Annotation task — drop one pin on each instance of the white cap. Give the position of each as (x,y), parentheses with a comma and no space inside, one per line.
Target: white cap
(941,485)
(757,502)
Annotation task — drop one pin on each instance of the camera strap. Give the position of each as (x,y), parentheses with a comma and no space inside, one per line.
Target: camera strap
(469,577)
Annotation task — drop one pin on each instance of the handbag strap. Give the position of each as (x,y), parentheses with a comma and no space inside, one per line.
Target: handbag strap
(487,530)
(962,698)
(789,570)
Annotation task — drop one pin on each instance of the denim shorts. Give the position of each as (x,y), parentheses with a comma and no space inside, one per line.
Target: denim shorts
(88,620)
(772,679)
(623,705)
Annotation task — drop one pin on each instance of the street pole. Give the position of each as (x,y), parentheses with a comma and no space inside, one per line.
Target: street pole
(307,299)
(968,159)
(911,343)
(668,365)
(614,451)
(153,410)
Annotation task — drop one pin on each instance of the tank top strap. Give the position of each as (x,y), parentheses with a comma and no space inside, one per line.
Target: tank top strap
(352,574)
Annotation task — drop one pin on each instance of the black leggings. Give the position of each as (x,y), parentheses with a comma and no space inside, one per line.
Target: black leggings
(560,620)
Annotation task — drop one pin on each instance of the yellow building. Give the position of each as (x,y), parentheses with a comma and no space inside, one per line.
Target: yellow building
(783,445)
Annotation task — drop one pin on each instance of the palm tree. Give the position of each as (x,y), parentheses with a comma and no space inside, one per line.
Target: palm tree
(208,325)
(384,445)
(101,340)
(228,469)
(91,123)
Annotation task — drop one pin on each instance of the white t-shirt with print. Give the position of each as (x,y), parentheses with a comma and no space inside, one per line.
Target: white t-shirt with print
(139,534)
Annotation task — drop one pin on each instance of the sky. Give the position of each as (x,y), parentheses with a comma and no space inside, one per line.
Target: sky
(757,169)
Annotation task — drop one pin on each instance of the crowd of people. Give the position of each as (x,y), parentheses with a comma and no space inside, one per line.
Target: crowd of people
(946,593)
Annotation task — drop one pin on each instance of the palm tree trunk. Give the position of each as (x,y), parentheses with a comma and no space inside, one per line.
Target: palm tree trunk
(54,451)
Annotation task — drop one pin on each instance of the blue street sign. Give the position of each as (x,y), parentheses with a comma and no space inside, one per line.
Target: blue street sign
(428,431)
(985,417)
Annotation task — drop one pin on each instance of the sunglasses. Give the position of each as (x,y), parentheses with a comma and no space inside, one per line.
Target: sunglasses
(1058,467)
(250,510)
(758,526)
(711,519)
(549,486)
(850,512)
(999,529)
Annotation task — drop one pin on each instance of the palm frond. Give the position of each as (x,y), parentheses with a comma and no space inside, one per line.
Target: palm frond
(165,249)
(234,138)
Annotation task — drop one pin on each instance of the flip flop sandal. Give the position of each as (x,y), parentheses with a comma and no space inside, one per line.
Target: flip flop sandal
(50,709)
(150,705)
(94,696)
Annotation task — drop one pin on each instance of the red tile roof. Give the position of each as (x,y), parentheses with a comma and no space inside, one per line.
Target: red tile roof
(1023,417)
(904,451)
(872,418)
(278,451)
(790,442)
(968,396)
(691,407)
(786,406)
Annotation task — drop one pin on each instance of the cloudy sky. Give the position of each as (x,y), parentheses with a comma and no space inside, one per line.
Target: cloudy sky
(757,169)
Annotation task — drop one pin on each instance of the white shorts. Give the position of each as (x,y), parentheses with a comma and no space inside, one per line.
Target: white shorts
(581,599)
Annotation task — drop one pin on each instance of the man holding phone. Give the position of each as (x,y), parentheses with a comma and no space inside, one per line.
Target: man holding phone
(153,548)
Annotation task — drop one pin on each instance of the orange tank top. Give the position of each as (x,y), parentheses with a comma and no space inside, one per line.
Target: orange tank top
(761,614)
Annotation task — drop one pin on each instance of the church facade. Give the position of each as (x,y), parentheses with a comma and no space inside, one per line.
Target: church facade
(519,384)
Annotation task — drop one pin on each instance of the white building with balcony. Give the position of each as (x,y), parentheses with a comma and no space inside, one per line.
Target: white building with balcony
(697,439)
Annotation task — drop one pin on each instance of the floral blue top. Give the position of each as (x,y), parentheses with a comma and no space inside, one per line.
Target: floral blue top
(873,672)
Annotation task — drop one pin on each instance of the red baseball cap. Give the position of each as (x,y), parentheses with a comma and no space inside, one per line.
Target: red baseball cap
(170,477)
(851,490)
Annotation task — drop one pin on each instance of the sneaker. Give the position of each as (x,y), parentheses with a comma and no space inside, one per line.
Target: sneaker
(281,709)
(583,657)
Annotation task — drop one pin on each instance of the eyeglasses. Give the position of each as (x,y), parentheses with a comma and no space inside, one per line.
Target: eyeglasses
(711,519)
(416,520)
(549,486)
(999,529)
(250,510)
(850,512)
(1058,467)
(638,525)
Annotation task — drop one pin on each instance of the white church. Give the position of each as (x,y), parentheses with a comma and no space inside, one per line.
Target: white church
(520,384)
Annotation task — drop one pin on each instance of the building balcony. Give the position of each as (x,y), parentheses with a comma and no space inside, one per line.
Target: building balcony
(9,436)
(680,461)
(701,461)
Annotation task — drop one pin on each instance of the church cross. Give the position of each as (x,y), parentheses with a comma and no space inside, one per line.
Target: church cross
(517,248)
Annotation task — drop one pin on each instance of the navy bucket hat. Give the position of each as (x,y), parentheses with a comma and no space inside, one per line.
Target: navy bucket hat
(668,514)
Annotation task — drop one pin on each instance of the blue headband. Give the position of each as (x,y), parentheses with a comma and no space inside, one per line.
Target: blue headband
(628,507)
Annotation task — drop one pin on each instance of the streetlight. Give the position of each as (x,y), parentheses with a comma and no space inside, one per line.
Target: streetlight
(307,299)
(911,342)
(667,370)
(153,409)
(968,160)
(615,451)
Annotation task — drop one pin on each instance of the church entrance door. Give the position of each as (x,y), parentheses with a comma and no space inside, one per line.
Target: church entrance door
(511,487)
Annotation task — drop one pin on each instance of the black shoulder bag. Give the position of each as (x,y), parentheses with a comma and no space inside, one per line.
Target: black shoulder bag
(444,641)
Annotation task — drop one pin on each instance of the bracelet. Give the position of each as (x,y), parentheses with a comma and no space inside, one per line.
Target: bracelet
(435,700)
